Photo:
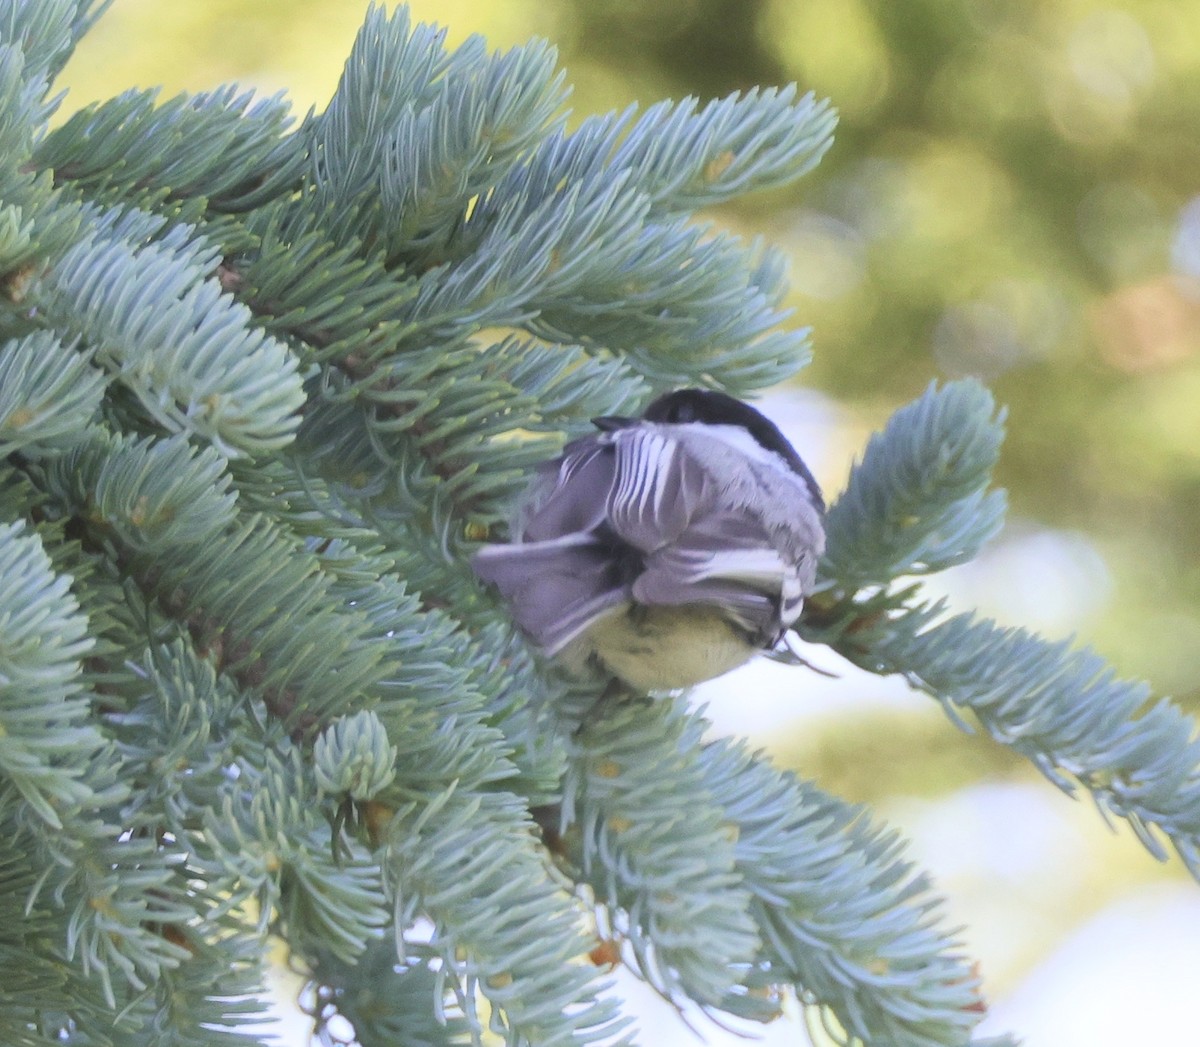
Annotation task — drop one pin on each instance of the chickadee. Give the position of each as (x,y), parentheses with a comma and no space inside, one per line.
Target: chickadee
(669,548)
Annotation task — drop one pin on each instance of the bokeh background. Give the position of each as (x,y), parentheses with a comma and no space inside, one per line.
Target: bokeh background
(1014,193)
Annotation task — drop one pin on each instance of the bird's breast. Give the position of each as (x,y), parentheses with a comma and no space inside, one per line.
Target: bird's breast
(662,648)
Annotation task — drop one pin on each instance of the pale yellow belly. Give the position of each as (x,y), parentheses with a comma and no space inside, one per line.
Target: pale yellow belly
(665,647)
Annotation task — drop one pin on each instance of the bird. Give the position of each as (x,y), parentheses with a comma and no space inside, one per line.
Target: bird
(665,549)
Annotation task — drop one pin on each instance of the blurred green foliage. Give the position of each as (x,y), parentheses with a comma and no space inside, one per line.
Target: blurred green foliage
(1007,197)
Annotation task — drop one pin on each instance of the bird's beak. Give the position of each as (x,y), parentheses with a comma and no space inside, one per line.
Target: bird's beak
(608,422)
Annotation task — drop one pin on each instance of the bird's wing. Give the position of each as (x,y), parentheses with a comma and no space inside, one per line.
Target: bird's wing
(725,559)
(555,588)
(701,541)
(572,495)
(565,569)
(658,490)
(636,515)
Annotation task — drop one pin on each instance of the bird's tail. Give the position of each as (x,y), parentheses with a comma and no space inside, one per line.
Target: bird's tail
(555,588)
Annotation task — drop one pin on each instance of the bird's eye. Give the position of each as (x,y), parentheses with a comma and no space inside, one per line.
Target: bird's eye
(683,413)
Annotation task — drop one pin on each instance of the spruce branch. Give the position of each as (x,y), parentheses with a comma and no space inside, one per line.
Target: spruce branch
(33,933)
(37,225)
(218,1002)
(835,912)
(243,805)
(49,31)
(485,116)
(49,394)
(842,915)
(917,502)
(688,156)
(481,880)
(118,896)
(1065,709)
(35,39)
(186,351)
(657,849)
(388,1003)
(327,299)
(226,147)
(43,709)
(414,131)
(152,494)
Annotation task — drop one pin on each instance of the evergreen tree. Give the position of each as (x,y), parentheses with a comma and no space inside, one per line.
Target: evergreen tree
(262,390)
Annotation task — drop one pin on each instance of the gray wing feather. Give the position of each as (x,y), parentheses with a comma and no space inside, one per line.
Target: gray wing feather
(561,575)
(659,490)
(702,541)
(726,560)
(572,498)
(556,589)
